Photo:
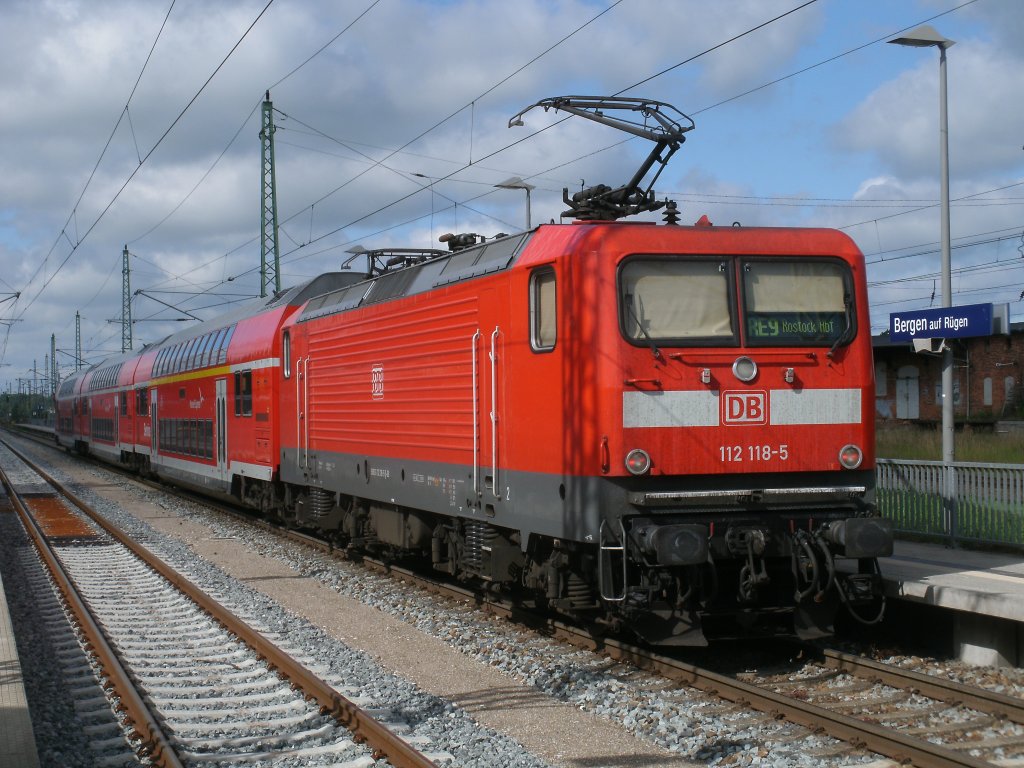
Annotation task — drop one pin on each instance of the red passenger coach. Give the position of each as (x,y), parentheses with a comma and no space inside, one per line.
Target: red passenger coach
(71,432)
(209,395)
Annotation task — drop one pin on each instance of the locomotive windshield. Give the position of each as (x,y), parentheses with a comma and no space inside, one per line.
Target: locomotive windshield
(796,302)
(674,300)
(690,302)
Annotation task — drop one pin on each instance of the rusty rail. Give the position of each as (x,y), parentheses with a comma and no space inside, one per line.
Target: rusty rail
(364,728)
(155,745)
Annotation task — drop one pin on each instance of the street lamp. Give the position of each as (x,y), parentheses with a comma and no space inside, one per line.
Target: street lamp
(923,37)
(517,183)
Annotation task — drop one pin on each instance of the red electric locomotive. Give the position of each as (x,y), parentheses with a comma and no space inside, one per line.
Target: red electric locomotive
(671,427)
(675,423)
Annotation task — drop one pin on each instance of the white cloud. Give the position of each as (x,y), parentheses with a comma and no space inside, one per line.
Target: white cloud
(69,66)
(899,122)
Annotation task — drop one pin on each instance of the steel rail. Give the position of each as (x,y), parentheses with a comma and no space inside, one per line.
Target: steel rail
(859,733)
(155,745)
(950,691)
(363,726)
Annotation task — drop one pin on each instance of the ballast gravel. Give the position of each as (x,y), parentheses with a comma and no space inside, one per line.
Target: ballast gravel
(528,700)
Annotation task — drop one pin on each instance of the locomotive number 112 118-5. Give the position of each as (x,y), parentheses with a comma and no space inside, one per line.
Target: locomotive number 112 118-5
(735,454)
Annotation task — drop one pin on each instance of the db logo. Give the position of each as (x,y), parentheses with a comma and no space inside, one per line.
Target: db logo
(377,382)
(749,407)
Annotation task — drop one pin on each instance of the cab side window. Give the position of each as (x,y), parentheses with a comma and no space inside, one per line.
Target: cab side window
(543,317)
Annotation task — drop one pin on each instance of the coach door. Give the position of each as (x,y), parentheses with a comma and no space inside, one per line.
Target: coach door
(154,427)
(221,428)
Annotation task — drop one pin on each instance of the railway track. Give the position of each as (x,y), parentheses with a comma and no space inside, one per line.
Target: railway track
(863,703)
(195,682)
(907,716)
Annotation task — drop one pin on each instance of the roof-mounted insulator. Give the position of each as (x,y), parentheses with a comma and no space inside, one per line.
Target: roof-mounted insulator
(671,214)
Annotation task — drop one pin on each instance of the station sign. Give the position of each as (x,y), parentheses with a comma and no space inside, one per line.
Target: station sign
(942,323)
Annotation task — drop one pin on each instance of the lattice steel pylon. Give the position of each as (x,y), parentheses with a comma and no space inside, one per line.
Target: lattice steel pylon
(78,341)
(54,371)
(126,302)
(270,274)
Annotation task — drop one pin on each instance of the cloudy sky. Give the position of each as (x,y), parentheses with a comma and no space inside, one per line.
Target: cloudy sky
(136,123)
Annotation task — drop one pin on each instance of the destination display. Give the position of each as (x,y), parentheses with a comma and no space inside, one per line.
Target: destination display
(795,327)
(942,323)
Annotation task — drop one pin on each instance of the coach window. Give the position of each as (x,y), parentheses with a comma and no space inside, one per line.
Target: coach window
(286,354)
(243,393)
(190,354)
(222,348)
(215,346)
(179,349)
(186,354)
(208,340)
(543,317)
(124,402)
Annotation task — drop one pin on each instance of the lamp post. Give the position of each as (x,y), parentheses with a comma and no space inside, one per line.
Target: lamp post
(517,183)
(926,36)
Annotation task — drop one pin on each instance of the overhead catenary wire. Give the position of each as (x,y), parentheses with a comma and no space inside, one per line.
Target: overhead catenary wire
(149,154)
(476,162)
(72,216)
(419,136)
(80,239)
(310,207)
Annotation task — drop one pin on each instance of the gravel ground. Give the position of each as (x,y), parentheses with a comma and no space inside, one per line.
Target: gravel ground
(666,725)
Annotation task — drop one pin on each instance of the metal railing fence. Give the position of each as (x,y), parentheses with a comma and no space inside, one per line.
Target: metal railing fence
(987,504)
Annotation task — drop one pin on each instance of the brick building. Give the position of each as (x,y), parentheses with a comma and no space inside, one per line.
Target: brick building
(988,379)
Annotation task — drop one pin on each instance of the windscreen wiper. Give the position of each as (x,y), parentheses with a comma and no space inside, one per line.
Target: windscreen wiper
(848,316)
(650,342)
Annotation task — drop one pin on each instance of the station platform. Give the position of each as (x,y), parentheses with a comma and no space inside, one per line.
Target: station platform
(984,590)
(17,742)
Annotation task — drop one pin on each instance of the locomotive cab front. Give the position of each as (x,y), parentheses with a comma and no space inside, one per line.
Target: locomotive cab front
(737,448)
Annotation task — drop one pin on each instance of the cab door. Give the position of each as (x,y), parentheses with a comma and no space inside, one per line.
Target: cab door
(490,407)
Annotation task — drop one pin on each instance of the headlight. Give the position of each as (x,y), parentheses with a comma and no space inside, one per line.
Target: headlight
(638,462)
(850,456)
(744,369)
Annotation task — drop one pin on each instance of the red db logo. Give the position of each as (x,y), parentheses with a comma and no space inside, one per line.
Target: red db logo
(749,407)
